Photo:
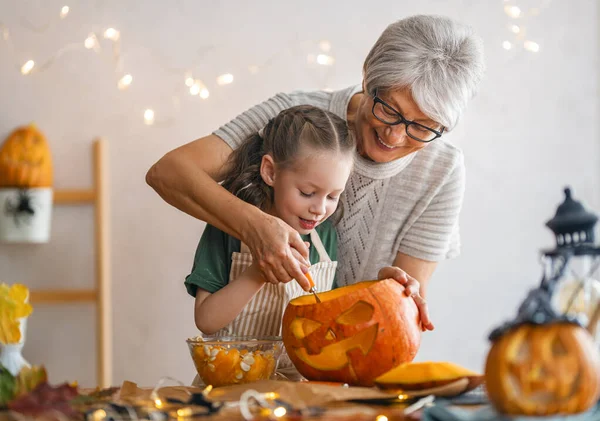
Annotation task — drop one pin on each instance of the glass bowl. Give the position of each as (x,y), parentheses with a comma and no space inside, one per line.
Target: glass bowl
(227,360)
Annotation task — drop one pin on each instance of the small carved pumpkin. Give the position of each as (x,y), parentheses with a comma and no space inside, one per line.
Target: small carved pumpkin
(25,159)
(354,335)
(542,363)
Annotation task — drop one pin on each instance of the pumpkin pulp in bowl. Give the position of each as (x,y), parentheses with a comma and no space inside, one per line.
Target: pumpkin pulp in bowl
(355,334)
(227,360)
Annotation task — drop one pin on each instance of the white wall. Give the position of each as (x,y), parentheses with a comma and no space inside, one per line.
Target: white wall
(532,130)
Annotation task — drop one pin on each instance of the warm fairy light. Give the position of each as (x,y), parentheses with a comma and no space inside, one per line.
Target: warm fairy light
(185,412)
(204,93)
(124,82)
(381,418)
(149,120)
(280,411)
(27,67)
(189,81)
(325,46)
(91,41)
(157,402)
(325,60)
(195,89)
(531,46)
(225,79)
(507,45)
(64,12)
(271,395)
(112,34)
(512,11)
(515,29)
(98,415)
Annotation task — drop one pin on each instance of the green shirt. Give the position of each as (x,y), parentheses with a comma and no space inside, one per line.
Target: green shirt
(212,262)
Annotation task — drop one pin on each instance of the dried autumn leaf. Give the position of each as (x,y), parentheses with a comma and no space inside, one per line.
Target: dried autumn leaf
(29,378)
(46,399)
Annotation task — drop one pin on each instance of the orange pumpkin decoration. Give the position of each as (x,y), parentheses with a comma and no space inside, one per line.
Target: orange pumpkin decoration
(354,335)
(542,362)
(426,375)
(543,370)
(25,159)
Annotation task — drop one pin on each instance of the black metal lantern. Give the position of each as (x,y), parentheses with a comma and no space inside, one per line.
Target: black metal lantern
(570,274)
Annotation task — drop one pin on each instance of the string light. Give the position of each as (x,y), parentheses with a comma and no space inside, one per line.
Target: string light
(225,79)
(112,34)
(325,60)
(531,46)
(195,89)
(64,12)
(91,41)
(512,11)
(124,82)
(507,45)
(515,29)
(325,46)
(27,67)
(381,418)
(99,415)
(279,412)
(149,117)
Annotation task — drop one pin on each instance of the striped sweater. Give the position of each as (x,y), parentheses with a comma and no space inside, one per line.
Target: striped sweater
(410,205)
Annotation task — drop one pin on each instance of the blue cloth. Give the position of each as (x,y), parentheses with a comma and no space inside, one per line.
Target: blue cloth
(445,412)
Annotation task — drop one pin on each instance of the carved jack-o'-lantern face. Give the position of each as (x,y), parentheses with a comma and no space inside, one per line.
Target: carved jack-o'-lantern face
(354,335)
(25,159)
(543,370)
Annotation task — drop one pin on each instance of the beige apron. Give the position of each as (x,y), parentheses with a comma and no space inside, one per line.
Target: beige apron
(263,314)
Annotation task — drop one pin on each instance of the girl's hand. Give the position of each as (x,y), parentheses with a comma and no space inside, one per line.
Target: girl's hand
(278,250)
(411,289)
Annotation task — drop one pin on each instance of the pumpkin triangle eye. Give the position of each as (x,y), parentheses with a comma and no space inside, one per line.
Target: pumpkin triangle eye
(302,327)
(361,312)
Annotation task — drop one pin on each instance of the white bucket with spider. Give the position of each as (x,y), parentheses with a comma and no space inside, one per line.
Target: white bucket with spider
(25,215)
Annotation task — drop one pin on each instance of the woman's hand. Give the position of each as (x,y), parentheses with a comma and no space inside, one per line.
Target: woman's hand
(278,250)
(411,289)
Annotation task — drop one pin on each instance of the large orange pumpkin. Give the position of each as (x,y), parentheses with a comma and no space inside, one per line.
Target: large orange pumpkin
(355,334)
(543,370)
(25,159)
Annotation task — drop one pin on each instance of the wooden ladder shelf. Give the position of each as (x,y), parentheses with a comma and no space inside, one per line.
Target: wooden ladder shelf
(98,197)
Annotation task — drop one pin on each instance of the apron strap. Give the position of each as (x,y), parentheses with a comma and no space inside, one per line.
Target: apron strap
(316,240)
(244,248)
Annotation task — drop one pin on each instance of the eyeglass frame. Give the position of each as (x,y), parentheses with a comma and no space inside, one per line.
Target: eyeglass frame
(403,120)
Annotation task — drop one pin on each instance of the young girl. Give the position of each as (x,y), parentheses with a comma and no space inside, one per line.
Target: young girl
(296,168)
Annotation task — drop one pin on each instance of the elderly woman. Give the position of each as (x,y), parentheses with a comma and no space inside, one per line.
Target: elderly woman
(403,199)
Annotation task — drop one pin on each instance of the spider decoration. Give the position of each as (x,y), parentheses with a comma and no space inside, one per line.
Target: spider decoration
(22,209)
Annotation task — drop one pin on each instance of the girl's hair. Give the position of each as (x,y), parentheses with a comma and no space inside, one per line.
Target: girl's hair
(282,138)
(439,60)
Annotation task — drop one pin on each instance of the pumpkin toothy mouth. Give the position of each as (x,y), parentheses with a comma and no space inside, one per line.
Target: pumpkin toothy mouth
(335,356)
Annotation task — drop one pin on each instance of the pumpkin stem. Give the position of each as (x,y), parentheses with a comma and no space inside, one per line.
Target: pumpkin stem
(593,324)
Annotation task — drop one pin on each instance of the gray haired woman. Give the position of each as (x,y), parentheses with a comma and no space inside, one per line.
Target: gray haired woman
(402,201)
